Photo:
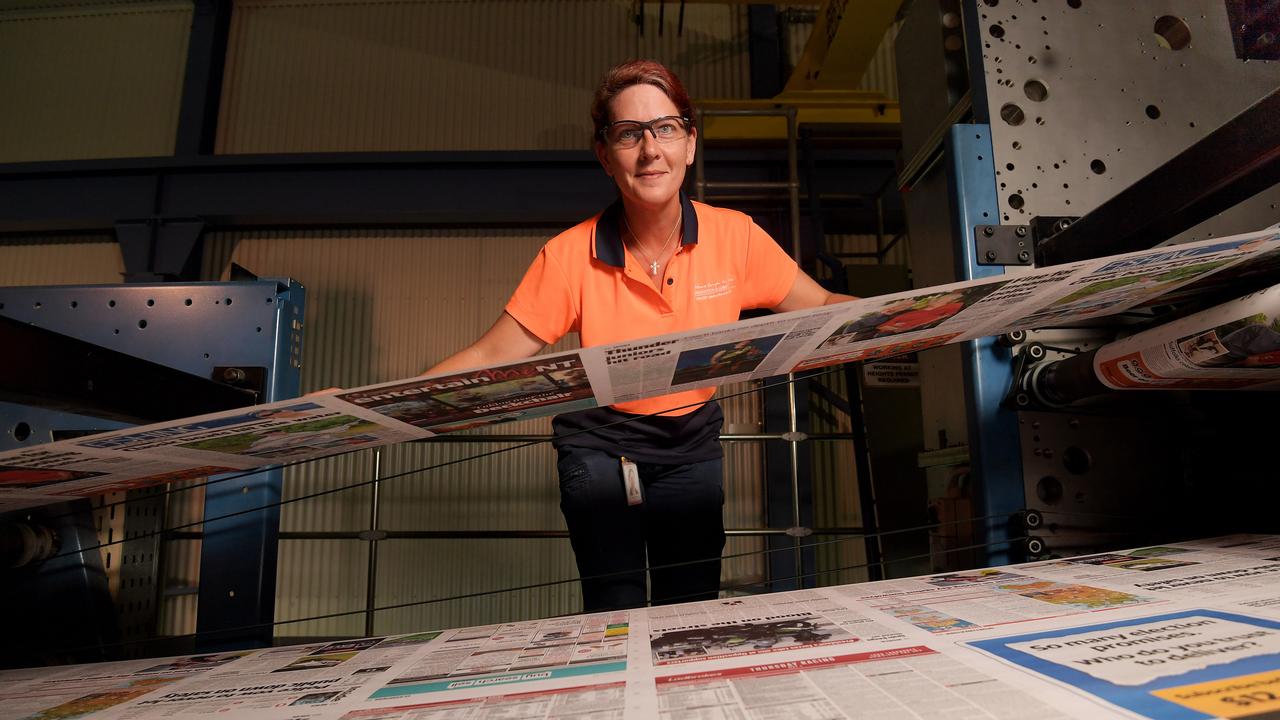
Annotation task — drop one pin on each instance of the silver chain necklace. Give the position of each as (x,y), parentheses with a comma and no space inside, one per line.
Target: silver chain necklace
(653,264)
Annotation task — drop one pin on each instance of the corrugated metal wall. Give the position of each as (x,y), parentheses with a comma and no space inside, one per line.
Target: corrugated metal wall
(899,254)
(449,75)
(91,80)
(67,260)
(882,73)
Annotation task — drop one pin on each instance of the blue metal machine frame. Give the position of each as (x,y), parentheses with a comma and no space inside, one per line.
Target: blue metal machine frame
(193,327)
(994,457)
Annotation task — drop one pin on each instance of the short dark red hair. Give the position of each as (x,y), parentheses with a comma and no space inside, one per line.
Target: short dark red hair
(636,72)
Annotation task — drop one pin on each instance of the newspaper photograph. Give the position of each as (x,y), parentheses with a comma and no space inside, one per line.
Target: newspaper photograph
(908,682)
(1233,345)
(470,662)
(1198,663)
(979,599)
(287,682)
(914,313)
(741,357)
(758,625)
(475,398)
(878,352)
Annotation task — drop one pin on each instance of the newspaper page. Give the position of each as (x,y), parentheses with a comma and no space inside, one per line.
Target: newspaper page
(79,690)
(1250,545)
(907,682)
(1113,285)
(235,440)
(980,599)
(867,329)
(1194,663)
(247,438)
(461,401)
(1175,572)
(707,357)
(1258,272)
(1233,345)
(590,702)
(289,682)
(760,625)
(46,474)
(532,656)
(812,654)
(905,322)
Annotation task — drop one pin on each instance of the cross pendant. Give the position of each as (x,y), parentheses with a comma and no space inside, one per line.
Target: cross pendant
(653,268)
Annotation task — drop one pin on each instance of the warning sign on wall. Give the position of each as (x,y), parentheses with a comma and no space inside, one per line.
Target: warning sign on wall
(898,372)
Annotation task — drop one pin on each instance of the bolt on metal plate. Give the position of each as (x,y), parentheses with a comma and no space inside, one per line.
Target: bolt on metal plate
(1002,244)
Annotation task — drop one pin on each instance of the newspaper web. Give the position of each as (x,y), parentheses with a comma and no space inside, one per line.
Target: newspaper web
(294,432)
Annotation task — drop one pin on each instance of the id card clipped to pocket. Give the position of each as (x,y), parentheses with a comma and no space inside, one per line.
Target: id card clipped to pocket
(631,482)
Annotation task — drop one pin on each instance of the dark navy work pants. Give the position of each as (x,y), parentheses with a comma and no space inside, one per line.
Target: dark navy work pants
(680,522)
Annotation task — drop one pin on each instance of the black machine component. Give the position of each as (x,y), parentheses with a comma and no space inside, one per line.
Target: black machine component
(26,543)
(1255,28)
(1229,165)
(52,569)
(1002,244)
(60,372)
(1061,382)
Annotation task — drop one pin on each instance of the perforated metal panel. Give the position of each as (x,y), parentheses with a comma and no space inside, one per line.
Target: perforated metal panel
(1086,97)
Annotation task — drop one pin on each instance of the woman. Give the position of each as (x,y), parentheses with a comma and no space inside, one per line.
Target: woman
(651,263)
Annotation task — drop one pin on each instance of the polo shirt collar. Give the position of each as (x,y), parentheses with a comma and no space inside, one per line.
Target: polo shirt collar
(608,241)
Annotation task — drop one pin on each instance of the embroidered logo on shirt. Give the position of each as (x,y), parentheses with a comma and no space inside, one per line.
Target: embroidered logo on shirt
(708,290)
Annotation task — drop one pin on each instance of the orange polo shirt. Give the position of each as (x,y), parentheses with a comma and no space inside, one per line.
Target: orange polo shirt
(585,281)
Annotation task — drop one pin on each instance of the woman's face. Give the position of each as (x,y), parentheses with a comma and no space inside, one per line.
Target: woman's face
(651,173)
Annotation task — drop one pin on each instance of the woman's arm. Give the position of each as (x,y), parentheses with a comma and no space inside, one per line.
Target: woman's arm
(806,293)
(507,340)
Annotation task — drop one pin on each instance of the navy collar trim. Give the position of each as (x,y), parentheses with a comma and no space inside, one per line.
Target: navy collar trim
(609,249)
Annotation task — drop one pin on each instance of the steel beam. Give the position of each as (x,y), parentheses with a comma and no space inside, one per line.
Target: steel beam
(471,189)
(202,85)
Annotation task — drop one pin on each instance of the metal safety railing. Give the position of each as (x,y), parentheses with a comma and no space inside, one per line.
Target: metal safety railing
(792,187)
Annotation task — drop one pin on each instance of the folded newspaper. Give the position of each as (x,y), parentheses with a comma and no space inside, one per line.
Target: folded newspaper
(1235,338)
